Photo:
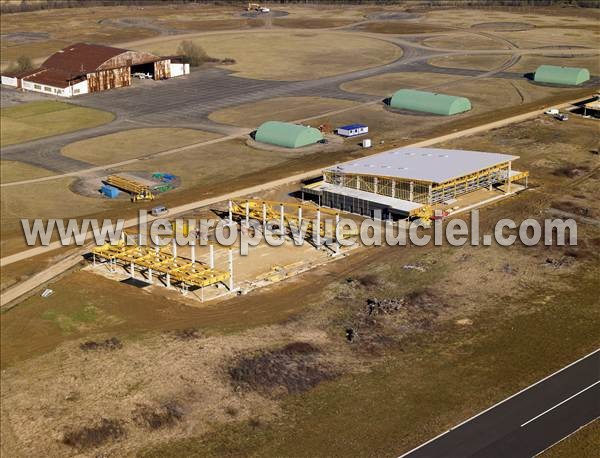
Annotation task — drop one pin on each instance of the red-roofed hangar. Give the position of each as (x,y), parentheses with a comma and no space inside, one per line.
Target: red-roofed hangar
(82,68)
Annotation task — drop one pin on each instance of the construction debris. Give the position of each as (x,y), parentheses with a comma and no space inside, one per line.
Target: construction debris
(384,306)
(413,267)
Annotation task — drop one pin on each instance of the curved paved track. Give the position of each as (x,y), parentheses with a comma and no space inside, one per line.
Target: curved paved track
(187,101)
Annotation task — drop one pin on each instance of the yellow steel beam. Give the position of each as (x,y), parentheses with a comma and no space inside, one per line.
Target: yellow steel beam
(255,211)
(178,268)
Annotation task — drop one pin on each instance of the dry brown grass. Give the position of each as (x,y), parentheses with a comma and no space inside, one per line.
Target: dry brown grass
(531,63)
(401,28)
(40,119)
(69,25)
(279,109)
(219,163)
(111,148)
(470,62)
(388,83)
(165,397)
(291,56)
(583,443)
(552,36)
(51,199)
(465,41)
(485,93)
(311,22)
(469,17)
(17,171)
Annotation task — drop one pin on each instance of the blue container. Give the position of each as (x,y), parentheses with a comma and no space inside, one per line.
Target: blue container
(168,177)
(109,191)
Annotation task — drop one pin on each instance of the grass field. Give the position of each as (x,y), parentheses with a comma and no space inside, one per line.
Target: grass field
(58,28)
(61,27)
(433,382)
(552,36)
(387,84)
(278,109)
(470,62)
(531,63)
(17,171)
(50,199)
(470,17)
(34,120)
(449,367)
(485,93)
(290,56)
(401,28)
(134,143)
(584,443)
(218,163)
(464,41)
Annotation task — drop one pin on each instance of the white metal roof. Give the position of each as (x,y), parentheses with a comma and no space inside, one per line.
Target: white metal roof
(397,204)
(423,164)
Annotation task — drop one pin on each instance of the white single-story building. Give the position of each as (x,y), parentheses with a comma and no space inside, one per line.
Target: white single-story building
(352,130)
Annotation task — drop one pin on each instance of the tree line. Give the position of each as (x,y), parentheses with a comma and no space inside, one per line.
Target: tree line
(36,5)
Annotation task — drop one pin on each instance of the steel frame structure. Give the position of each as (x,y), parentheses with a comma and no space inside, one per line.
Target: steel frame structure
(286,213)
(174,268)
(423,191)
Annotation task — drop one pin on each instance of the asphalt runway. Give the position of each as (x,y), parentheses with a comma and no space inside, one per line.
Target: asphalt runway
(528,422)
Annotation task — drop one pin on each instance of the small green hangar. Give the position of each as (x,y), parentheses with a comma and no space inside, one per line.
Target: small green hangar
(553,74)
(429,102)
(287,134)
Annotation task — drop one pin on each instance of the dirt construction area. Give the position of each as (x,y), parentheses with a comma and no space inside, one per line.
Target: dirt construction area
(311,344)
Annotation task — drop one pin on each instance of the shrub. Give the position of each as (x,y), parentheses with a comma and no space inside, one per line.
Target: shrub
(194,54)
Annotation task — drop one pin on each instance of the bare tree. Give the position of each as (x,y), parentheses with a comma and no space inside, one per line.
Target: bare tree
(194,54)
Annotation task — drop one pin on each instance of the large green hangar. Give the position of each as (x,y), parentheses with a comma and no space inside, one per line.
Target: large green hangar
(429,102)
(287,134)
(552,74)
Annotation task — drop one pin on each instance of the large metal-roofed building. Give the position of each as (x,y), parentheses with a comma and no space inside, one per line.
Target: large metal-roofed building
(82,67)
(399,182)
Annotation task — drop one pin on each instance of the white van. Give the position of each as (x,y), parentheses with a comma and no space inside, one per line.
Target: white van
(159,211)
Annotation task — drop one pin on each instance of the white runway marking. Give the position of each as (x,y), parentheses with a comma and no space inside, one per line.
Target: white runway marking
(560,403)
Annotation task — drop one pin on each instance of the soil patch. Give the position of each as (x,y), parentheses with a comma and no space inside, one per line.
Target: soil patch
(381,323)
(163,415)
(571,170)
(294,368)
(109,344)
(95,435)
(186,334)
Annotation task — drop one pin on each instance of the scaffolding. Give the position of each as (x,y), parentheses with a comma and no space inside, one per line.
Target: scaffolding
(289,214)
(187,273)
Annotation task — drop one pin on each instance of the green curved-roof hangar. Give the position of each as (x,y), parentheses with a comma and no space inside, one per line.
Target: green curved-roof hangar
(429,102)
(561,75)
(287,134)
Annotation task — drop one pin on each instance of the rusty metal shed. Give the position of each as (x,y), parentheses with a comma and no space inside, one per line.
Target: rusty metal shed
(100,67)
